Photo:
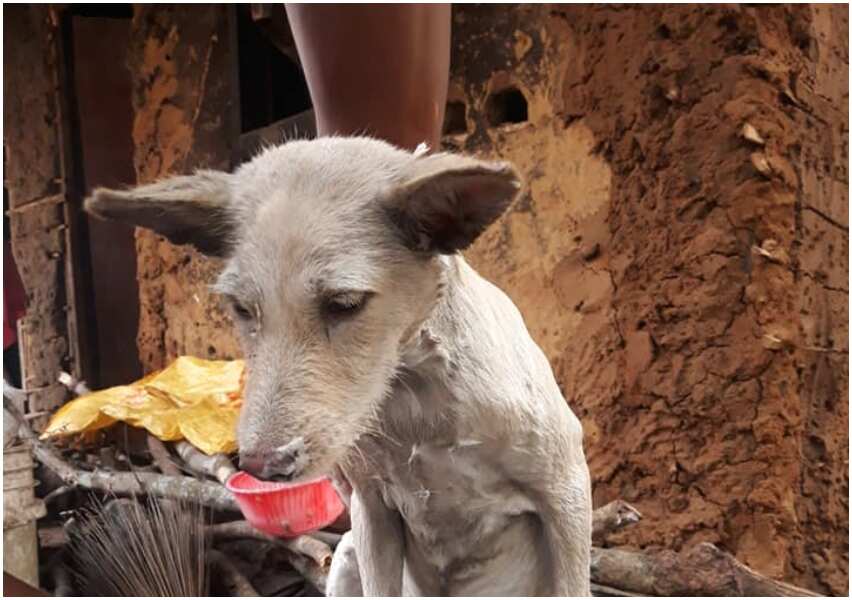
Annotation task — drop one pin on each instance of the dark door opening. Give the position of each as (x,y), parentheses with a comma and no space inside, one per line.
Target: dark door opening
(102,85)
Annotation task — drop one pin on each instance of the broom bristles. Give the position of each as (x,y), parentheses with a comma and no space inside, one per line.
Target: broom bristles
(126,549)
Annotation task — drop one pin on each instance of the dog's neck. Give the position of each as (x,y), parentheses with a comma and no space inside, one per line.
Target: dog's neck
(423,349)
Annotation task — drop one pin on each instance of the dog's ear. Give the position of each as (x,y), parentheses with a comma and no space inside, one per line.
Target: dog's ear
(445,201)
(190,209)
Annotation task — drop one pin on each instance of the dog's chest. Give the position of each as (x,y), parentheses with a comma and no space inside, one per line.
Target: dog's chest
(452,498)
(445,477)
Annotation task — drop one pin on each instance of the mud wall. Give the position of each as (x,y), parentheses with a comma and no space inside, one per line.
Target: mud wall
(680,252)
(182,61)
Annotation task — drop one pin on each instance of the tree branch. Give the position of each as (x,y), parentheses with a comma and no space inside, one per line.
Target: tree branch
(609,592)
(612,517)
(217,465)
(705,570)
(306,545)
(161,457)
(123,483)
(237,583)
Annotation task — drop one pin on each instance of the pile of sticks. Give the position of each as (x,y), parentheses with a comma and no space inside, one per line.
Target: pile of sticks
(184,473)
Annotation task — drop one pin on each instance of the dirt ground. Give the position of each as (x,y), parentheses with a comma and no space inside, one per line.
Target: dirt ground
(680,252)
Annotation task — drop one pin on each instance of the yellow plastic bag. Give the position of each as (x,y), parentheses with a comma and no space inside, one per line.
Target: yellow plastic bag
(193,399)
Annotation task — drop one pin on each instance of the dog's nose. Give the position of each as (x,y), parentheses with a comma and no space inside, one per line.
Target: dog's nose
(252,463)
(283,463)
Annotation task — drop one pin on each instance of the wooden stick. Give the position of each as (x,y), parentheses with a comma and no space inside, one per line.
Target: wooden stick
(612,517)
(610,592)
(53,494)
(329,538)
(123,483)
(305,545)
(315,573)
(237,583)
(161,457)
(107,458)
(217,465)
(704,570)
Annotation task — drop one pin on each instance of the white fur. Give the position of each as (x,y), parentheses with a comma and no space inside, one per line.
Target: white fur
(461,462)
(480,457)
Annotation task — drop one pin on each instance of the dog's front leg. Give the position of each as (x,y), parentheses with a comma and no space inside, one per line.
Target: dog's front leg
(566,514)
(377,534)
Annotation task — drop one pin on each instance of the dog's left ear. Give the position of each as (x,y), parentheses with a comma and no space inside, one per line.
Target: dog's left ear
(445,201)
(188,209)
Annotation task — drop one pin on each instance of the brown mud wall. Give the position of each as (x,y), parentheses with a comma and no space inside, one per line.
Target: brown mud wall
(182,62)
(680,252)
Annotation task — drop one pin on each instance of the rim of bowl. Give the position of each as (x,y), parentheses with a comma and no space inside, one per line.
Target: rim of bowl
(280,486)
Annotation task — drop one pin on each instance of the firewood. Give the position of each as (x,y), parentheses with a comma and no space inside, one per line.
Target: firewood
(329,538)
(217,465)
(237,583)
(306,545)
(308,568)
(705,570)
(612,517)
(57,493)
(312,572)
(123,483)
(161,457)
(610,592)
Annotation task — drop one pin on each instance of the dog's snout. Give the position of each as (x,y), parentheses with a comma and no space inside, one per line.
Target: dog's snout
(271,466)
(252,463)
(282,464)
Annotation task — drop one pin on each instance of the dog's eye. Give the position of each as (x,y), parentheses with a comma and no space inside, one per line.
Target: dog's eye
(345,304)
(240,310)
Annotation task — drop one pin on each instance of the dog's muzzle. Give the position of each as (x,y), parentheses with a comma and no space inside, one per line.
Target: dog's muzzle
(284,463)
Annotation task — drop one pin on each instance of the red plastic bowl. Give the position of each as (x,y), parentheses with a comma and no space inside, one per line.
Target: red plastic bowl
(285,509)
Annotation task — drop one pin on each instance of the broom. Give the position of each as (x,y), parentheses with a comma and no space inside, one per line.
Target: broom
(123,548)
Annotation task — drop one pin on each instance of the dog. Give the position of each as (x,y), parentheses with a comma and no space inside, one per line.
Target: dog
(377,355)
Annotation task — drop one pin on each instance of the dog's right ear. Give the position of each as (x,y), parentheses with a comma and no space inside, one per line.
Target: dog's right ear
(191,209)
(446,201)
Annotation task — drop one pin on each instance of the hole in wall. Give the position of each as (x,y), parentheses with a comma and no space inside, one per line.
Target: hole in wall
(506,106)
(455,118)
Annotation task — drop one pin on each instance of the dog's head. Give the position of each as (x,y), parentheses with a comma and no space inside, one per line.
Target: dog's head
(330,249)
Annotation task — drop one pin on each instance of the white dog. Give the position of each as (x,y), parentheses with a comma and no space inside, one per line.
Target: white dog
(375,352)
